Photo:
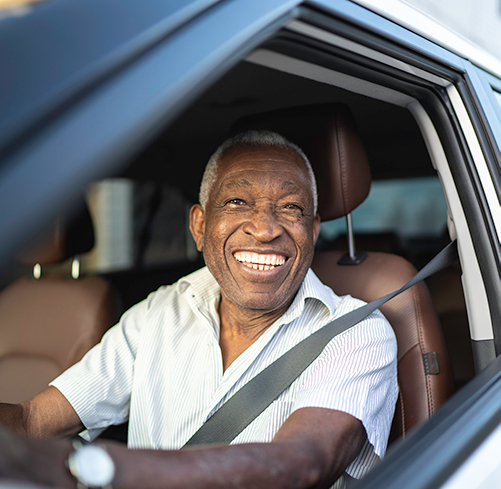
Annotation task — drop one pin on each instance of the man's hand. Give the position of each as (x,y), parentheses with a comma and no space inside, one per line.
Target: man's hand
(38,461)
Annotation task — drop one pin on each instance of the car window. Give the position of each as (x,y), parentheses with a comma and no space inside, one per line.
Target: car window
(411,208)
(137,224)
(483,468)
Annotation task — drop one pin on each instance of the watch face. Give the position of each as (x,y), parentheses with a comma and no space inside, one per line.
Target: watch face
(92,466)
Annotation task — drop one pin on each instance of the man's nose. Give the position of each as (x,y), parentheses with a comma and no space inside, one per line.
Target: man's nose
(263,225)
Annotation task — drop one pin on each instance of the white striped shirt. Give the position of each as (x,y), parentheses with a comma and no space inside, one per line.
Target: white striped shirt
(161,368)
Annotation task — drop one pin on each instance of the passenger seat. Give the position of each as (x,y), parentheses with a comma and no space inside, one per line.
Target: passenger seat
(48,324)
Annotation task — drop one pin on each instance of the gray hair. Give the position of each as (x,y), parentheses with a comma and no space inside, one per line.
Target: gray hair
(256,138)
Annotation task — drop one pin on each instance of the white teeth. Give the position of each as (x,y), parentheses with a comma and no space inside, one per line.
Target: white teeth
(259,261)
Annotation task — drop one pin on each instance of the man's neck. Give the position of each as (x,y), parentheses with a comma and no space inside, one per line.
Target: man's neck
(240,328)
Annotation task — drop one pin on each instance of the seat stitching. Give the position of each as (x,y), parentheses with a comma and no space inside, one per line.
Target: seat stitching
(419,319)
(402,413)
(400,395)
(342,164)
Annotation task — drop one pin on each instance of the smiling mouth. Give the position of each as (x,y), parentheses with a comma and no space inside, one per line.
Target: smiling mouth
(257,261)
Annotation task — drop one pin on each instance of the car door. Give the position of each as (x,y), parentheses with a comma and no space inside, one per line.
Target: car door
(95,118)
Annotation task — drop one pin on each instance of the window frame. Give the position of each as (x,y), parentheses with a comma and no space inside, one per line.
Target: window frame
(74,131)
(455,136)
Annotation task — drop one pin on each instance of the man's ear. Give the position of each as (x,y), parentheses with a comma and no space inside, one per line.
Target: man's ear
(197,225)
(316,227)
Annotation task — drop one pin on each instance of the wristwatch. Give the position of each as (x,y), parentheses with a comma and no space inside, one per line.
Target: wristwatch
(91,465)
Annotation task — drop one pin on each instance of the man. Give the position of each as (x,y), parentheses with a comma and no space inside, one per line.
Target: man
(180,354)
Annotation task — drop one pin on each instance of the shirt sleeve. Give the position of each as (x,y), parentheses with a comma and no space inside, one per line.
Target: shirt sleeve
(99,386)
(357,374)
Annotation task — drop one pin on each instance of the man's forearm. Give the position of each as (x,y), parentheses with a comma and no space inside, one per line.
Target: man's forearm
(46,415)
(12,416)
(263,465)
(312,449)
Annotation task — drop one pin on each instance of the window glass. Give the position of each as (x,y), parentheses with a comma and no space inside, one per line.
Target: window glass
(137,224)
(411,208)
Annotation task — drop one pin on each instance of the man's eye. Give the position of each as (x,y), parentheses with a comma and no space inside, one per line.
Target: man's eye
(236,202)
(293,207)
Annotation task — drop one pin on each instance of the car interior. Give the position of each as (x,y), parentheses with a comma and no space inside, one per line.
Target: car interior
(371,242)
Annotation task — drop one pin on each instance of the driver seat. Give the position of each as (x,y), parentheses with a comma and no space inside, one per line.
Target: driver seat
(328,135)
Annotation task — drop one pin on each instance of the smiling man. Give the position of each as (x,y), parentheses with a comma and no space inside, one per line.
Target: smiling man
(176,357)
(257,227)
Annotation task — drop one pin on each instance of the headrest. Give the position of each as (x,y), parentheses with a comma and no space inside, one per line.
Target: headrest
(67,235)
(328,136)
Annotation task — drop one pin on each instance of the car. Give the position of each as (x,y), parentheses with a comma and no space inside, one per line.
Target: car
(122,104)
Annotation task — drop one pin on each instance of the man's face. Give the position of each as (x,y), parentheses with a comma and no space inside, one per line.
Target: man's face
(258,230)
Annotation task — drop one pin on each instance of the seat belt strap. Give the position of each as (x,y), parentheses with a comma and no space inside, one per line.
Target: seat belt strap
(257,394)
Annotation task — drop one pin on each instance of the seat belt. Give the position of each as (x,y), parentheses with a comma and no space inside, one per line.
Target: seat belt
(255,396)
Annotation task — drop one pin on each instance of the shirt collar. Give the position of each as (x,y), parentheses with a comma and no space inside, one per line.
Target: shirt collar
(311,288)
(201,287)
(205,292)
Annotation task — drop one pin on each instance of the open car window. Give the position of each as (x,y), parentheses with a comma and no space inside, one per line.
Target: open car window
(136,137)
(411,208)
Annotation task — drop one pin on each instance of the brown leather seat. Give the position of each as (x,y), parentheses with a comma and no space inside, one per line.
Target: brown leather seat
(423,388)
(328,135)
(47,325)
